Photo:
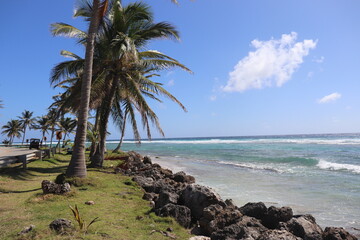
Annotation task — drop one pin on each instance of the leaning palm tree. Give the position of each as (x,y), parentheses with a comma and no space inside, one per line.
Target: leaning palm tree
(27,121)
(12,129)
(77,167)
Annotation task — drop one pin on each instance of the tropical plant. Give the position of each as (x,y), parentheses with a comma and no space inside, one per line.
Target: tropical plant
(13,129)
(77,167)
(52,121)
(121,72)
(26,120)
(81,222)
(6,142)
(42,124)
(67,126)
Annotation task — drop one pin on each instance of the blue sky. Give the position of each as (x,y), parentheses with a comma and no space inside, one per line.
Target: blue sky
(260,67)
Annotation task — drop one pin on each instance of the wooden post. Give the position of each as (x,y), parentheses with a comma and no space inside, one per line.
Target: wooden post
(23,159)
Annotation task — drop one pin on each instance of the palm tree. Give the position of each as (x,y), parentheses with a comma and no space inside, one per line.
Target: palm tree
(26,121)
(77,167)
(1,105)
(120,66)
(12,129)
(42,124)
(67,126)
(52,121)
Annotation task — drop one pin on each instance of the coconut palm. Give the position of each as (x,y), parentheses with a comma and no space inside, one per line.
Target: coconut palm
(67,126)
(12,129)
(42,124)
(52,121)
(26,120)
(77,167)
(119,65)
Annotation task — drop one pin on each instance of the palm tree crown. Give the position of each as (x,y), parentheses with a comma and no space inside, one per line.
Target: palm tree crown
(12,129)
(122,67)
(26,120)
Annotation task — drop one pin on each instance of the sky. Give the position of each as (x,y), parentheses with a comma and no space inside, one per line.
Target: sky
(261,67)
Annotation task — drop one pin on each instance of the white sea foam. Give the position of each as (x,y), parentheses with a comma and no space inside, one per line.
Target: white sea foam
(349,141)
(338,166)
(254,166)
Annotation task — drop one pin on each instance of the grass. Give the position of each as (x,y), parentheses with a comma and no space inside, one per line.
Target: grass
(122,212)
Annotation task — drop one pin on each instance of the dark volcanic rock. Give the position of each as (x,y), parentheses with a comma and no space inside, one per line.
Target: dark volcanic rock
(216,217)
(244,229)
(275,215)
(150,196)
(146,183)
(305,226)
(182,214)
(197,197)
(51,187)
(182,177)
(165,198)
(147,160)
(232,232)
(336,233)
(278,235)
(60,225)
(256,210)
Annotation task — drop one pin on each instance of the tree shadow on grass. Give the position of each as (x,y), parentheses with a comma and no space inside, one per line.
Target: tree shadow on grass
(18,173)
(25,191)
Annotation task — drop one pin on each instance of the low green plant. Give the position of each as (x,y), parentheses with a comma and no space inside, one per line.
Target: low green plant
(80,220)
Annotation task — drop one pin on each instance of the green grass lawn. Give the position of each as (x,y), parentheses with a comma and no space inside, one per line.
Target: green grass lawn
(118,204)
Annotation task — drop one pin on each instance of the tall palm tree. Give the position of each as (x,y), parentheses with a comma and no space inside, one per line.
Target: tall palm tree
(12,129)
(118,64)
(42,124)
(26,120)
(77,167)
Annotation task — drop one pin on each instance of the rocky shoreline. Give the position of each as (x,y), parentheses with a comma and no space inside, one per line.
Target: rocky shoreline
(202,210)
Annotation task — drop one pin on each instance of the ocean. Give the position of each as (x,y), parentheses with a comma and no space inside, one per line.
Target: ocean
(316,174)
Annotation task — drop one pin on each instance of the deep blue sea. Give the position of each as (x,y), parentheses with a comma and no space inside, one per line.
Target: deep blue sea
(317,174)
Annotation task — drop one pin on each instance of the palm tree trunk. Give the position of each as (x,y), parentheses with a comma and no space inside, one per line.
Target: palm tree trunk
(23,136)
(77,166)
(51,138)
(122,134)
(94,142)
(64,139)
(98,158)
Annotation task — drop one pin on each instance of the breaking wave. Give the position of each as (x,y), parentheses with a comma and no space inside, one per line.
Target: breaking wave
(338,166)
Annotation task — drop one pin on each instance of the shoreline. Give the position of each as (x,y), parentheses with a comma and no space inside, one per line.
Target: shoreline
(178,195)
(173,166)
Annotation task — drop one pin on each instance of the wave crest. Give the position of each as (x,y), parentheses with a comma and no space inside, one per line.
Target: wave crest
(338,166)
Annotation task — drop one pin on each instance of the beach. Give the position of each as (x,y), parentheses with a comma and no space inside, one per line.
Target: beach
(317,174)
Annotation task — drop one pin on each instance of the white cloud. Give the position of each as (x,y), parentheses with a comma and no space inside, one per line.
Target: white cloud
(171,82)
(330,98)
(272,63)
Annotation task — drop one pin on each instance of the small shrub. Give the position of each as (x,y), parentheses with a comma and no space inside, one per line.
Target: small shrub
(80,220)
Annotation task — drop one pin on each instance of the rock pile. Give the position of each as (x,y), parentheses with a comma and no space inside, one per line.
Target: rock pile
(199,207)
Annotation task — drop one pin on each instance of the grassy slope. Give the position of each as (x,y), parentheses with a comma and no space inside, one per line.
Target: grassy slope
(118,204)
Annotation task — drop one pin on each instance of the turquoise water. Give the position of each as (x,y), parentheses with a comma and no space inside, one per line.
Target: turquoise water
(317,174)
